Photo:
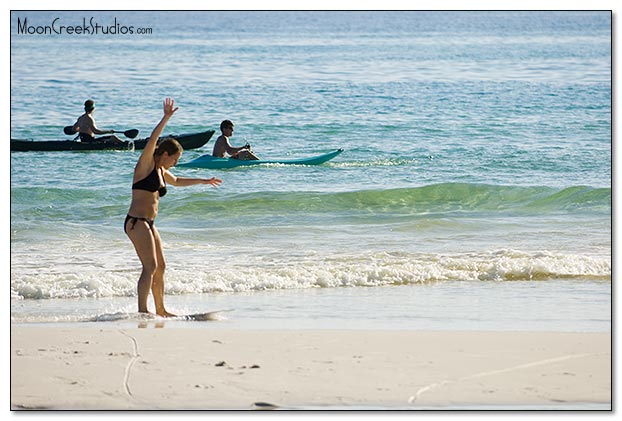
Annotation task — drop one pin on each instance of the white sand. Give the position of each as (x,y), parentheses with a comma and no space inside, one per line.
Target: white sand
(55,367)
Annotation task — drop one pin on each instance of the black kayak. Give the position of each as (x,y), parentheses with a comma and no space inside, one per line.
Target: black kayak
(187,141)
(18,145)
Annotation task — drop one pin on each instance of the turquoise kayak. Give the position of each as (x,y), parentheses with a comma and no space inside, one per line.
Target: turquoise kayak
(208,161)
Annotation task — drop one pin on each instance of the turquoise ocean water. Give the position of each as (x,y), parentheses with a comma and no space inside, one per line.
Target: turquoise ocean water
(474,191)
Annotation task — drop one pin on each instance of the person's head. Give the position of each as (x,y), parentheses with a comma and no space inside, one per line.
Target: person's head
(89,105)
(226,126)
(168,153)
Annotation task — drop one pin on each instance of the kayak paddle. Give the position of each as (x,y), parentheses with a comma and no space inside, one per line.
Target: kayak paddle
(132,133)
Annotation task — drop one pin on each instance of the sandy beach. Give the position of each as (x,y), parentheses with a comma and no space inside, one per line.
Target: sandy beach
(133,368)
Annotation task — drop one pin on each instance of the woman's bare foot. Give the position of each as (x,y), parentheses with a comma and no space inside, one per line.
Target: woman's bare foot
(164,313)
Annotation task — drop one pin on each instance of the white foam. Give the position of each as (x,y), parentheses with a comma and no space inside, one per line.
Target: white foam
(315,271)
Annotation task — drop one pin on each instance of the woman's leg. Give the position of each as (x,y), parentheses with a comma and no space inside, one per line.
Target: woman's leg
(157,286)
(145,245)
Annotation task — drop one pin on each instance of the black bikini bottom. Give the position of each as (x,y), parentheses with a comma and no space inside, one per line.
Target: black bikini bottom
(150,222)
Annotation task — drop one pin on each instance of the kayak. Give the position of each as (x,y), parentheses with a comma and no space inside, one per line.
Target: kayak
(18,145)
(208,161)
(187,141)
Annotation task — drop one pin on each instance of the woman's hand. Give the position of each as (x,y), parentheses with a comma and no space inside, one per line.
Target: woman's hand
(213,181)
(169,107)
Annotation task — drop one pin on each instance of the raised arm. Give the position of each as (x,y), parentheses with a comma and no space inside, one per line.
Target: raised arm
(152,143)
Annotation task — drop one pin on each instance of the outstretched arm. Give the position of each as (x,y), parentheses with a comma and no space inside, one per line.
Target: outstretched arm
(185,181)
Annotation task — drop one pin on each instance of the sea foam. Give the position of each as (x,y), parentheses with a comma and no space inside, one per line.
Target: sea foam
(363,270)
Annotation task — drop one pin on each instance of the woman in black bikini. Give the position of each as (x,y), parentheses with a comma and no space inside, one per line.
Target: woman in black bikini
(150,178)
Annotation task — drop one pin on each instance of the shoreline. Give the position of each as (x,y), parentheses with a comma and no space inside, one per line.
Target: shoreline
(172,368)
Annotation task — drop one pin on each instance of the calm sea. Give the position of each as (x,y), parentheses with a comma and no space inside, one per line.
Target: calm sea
(474,191)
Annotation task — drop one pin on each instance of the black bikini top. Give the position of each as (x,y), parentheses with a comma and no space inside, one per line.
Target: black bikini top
(151,183)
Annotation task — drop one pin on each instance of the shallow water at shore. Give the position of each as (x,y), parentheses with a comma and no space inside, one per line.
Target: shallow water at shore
(563,305)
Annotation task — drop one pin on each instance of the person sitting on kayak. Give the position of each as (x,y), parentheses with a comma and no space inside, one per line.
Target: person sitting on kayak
(87,129)
(223,147)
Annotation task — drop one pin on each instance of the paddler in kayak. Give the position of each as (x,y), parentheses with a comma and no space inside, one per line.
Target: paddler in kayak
(86,128)
(223,147)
